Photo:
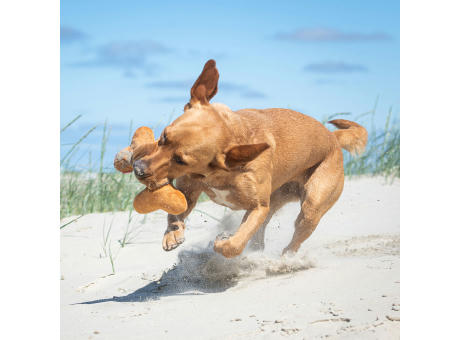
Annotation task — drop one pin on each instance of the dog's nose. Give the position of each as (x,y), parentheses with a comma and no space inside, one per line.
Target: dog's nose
(139,168)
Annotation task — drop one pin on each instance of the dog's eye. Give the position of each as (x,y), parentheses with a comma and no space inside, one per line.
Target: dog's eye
(179,160)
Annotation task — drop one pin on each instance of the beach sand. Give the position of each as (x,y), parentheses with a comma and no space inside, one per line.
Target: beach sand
(342,284)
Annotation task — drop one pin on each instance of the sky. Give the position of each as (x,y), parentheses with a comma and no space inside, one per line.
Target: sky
(124,62)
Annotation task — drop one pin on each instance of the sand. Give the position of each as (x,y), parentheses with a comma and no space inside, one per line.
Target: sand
(342,284)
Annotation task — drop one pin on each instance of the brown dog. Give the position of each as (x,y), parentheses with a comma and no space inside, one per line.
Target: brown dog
(256,160)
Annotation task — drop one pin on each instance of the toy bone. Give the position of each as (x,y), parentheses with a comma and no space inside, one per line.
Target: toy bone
(167,197)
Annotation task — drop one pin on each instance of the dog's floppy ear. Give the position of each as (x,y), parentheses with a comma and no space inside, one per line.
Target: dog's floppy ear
(205,87)
(123,159)
(241,154)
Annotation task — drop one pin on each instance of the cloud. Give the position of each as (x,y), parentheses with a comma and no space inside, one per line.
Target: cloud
(70,35)
(329,81)
(243,90)
(253,94)
(171,84)
(232,87)
(185,85)
(334,67)
(129,56)
(331,35)
(175,99)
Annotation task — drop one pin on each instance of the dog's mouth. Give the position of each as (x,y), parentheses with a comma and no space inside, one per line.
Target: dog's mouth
(154,186)
(142,177)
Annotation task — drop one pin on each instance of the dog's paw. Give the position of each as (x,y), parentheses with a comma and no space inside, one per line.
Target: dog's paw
(174,236)
(288,252)
(223,236)
(225,245)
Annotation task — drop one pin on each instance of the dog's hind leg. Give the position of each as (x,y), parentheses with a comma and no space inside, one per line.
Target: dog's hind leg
(288,192)
(321,190)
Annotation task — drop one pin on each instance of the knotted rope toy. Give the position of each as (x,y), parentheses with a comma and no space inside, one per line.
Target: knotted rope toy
(167,197)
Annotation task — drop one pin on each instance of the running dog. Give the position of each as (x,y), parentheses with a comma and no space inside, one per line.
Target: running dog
(251,159)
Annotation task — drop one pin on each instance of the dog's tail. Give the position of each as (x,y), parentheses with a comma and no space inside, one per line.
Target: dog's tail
(351,136)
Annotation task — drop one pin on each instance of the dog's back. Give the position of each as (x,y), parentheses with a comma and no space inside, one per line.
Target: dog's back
(299,141)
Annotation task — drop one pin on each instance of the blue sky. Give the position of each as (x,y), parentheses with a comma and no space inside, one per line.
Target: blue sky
(135,61)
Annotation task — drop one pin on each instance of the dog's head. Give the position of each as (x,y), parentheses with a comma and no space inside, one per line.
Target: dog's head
(197,143)
(163,197)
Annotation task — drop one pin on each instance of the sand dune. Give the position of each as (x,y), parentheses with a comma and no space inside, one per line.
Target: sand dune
(343,283)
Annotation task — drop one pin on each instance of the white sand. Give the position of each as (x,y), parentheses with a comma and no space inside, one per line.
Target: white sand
(343,283)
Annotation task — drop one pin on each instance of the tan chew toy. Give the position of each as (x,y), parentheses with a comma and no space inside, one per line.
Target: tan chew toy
(167,197)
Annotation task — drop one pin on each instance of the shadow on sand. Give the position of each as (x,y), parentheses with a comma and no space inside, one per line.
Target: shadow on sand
(202,271)
(196,272)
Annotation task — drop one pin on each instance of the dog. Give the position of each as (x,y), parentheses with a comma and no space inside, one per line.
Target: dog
(252,159)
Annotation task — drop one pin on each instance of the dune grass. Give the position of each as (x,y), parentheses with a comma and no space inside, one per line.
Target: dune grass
(96,189)
(101,190)
(382,154)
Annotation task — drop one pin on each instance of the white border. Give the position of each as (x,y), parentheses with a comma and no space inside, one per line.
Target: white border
(430,202)
(29,111)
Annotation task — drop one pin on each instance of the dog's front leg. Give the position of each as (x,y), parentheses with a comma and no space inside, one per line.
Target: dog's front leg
(174,234)
(235,245)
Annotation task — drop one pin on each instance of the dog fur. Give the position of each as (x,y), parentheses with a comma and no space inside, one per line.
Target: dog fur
(251,159)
